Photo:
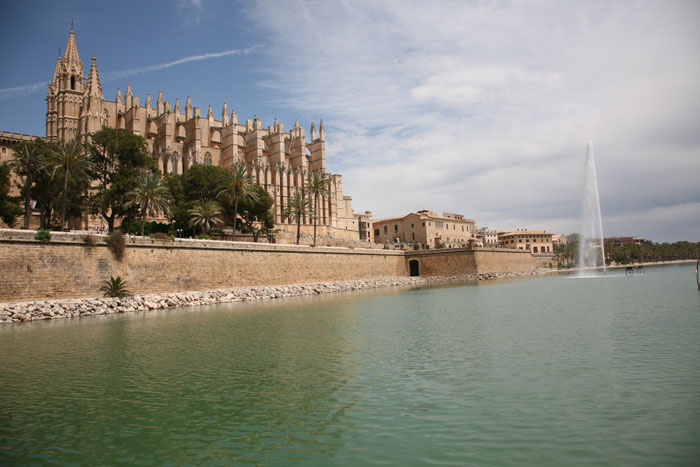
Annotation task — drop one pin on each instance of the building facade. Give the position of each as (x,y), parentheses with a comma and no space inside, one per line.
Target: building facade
(180,136)
(487,238)
(426,228)
(559,239)
(531,240)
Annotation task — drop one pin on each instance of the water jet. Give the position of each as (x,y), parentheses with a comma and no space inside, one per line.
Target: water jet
(591,249)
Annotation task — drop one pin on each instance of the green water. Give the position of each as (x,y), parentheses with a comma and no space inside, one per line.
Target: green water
(547,371)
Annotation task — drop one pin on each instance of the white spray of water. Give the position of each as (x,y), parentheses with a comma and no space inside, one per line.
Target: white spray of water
(591,250)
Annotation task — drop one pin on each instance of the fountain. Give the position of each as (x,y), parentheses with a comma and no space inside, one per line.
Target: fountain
(591,251)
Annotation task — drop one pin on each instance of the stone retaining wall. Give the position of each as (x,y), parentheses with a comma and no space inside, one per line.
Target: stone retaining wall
(70,267)
(67,267)
(478,261)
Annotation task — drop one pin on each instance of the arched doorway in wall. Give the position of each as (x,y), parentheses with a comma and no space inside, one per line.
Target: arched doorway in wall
(414,268)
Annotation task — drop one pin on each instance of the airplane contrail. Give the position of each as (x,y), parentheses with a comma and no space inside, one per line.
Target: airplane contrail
(27,89)
(114,75)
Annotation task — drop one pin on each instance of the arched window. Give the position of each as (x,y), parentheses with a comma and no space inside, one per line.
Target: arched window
(72,82)
(207,159)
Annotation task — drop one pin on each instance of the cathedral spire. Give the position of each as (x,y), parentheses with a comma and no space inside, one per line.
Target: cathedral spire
(55,79)
(94,88)
(70,56)
(56,71)
(129,97)
(159,103)
(224,115)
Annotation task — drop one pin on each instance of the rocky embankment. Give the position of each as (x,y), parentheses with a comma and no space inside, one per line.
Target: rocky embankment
(14,312)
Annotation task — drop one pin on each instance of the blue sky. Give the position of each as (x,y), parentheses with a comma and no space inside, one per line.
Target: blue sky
(480,108)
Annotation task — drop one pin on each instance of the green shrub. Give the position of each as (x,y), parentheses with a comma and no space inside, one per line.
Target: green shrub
(43,235)
(150,227)
(116,244)
(204,237)
(416,246)
(115,287)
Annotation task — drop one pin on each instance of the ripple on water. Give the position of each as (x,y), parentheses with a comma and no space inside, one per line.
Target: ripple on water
(538,372)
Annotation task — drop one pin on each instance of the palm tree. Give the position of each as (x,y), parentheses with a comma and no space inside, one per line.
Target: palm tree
(317,185)
(151,196)
(115,287)
(239,185)
(29,160)
(205,213)
(69,159)
(297,207)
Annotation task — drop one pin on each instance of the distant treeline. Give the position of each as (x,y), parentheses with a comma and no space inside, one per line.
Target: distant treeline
(649,251)
(567,255)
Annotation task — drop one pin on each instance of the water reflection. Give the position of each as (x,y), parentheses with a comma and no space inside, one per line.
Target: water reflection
(535,372)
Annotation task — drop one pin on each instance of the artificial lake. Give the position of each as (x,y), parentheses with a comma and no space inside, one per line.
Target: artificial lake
(548,371)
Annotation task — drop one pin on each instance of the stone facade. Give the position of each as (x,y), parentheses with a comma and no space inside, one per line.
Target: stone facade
(180,136)
(486,238)
(461,261)
(530,240)
(426,228)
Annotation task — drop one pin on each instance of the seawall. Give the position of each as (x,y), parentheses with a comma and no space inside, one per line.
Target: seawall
(70,267)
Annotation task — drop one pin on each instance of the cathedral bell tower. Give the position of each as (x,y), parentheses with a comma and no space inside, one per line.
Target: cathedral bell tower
(65,95)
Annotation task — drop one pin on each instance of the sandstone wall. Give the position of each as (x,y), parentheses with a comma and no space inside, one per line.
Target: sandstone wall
(461,261)
(490,260)
(67,267)
(443,262)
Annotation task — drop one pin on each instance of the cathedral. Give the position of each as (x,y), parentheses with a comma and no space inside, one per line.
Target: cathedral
(178,137)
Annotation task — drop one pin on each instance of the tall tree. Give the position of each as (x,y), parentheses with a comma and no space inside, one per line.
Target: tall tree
(9,210)
(152,197)
(205,214)
(68,160)
(238,185)
(297,207)
(118,158)
(317,185)
(28,162)
(257,214)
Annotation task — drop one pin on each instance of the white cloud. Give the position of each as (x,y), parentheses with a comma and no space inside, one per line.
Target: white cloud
(24,90)
(485,108)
